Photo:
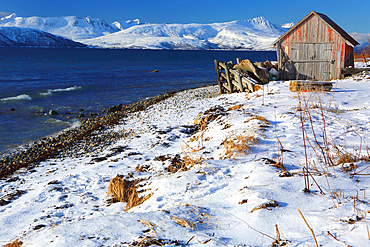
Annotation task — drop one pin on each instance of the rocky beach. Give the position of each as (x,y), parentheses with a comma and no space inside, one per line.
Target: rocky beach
(89,136)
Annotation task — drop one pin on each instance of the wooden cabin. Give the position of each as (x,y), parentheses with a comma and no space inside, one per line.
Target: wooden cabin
(315,48)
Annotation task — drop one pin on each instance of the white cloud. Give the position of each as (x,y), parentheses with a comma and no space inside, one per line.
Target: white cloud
(360,37)
(4,13)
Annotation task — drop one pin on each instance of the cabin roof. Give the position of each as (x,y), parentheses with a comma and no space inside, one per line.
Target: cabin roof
(348,39)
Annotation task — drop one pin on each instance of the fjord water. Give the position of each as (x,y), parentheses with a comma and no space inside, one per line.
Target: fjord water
(34,81)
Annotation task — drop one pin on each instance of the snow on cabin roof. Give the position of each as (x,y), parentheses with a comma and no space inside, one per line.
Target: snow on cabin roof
(349,40)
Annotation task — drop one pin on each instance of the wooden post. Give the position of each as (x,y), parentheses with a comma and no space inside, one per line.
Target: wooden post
(238,82)
(218,76)
(229,84)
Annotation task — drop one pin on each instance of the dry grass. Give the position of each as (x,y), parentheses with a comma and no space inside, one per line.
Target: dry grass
(257,87)
(238,145)
(151,226)
(199,217)
(258,118)
(146,241)
(191,160)
(267,205)
(184,223)
(188,161)
(177,165)
(236,107)
(15,243)
(346,158)
(124,190)
(203,119)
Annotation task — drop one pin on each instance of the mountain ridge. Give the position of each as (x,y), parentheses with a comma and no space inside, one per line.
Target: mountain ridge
(15,36)
(252,34)
(71,27)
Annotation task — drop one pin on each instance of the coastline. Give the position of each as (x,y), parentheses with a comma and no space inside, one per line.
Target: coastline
(88,137)
(207,171)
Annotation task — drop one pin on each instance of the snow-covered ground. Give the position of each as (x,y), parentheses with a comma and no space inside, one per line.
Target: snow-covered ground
(230,190)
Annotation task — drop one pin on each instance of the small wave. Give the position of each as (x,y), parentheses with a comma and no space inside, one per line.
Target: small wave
(51,91)
(55,121)
(75,124)
(19,97)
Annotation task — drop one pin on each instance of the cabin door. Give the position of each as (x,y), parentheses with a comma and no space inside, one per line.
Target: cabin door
(311,61)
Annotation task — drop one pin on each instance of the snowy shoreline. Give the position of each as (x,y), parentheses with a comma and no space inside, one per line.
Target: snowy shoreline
(239,181)
(27,155)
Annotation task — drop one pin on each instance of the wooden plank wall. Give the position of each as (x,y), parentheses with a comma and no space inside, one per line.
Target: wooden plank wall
(313,29)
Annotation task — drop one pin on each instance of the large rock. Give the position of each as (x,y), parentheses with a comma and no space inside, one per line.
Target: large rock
(53,113)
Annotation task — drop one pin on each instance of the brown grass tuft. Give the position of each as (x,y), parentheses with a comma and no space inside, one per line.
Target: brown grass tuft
(258,118)
(203,119)
(151,226)
(346,158)
(183,222)
(146,241)
(237,145)
(177,164)
(236,107)
(124,190)
(199,217)
(257,87)
(15,243)
(270,204)
(190,160)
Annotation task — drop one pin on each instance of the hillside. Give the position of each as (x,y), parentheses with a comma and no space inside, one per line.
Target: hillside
(70,27)
(15,36)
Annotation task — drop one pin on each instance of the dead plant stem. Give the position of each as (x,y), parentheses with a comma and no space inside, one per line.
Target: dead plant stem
(264,234)
(281,145)
(331,235)
(321,191)
(313,234)
(314,135)
(278,235)
(325,138)
(306,178)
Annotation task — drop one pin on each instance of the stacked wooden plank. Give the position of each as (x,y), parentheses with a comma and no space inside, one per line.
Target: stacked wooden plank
(230,80)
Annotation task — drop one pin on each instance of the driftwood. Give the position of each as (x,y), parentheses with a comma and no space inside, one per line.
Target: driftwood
(351,71)
(309,86)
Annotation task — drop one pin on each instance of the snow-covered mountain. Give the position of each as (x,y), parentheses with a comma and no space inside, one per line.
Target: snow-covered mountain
(121,25)
(70,27)
(15,36)
(253,34)
(288,25)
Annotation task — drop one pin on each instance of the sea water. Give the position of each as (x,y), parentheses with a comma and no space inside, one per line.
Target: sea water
(72,81)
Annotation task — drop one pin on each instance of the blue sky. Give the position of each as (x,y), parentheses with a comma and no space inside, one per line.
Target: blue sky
(351,15)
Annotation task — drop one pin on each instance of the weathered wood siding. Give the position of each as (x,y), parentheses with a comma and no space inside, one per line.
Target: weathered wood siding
(313,50)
